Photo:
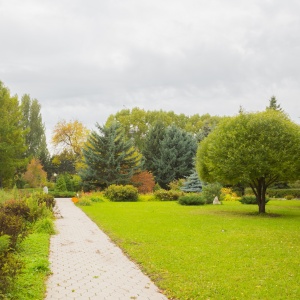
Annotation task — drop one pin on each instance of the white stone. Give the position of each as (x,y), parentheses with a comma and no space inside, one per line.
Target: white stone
(216,201)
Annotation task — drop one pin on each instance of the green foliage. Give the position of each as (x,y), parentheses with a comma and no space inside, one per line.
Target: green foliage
(64,162)
(12,142)
(33,253)
(10,268)
(84,201)
(152,144)
(175,160)
(38,207)
(210,191)
(282,193)
(137,123)
(256,149)
(35,130)
(119,193)
(17,208)
(76,183)
(192,199)
(44,225)
(249,199)
(176,184)
(63,194)
(97,199)
(273,104)
(5,195)
(35,176)
(109,158)
(48,199)
(171,195)
(4,243)
(60,185)
(14,226)
(192,183)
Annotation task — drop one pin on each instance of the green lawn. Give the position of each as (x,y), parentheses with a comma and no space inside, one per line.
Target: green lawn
(30,285)
(210,252)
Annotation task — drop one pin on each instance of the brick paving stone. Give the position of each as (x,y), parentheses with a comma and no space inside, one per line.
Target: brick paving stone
(86,265)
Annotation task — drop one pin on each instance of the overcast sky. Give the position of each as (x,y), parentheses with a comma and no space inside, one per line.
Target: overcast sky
(88,59)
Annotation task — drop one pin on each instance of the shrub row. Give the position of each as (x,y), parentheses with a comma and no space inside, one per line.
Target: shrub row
(62,194)
(16,218)
(283,193)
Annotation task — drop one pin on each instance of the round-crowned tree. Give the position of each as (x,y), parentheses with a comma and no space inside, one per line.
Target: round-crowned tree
(256,149)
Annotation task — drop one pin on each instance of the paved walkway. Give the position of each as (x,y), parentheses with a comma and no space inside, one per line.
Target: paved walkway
(87,265)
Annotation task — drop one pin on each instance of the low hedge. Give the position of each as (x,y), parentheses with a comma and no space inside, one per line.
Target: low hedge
(249,199)
(170,195)
(64,194)
(191,199)
(282,193)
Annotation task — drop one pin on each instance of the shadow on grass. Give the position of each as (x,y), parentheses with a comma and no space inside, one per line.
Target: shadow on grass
(251,214)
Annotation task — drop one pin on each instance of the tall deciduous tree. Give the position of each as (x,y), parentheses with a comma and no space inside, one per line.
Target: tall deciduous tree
(12,137)
(137,122)
(257,149)
(33,124)
(109,157)
(70,136)
(177,152)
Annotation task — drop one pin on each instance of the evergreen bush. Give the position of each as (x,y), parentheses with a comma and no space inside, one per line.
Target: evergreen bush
(191,199)
(250,199)
(192,184)
(60,185)
(121,193)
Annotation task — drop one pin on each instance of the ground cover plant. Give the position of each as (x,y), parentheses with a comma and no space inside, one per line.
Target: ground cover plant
(30,284)
(227,251)
(25,227)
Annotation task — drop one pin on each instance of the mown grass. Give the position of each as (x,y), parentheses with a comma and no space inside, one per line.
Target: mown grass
(210,252)
(30,285)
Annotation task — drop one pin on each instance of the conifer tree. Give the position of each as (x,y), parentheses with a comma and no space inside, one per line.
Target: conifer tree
(153,140)
(109,158)
(177,152)
(192,183)
(273,104)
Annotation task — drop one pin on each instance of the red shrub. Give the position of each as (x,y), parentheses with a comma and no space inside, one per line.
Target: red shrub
(144,181)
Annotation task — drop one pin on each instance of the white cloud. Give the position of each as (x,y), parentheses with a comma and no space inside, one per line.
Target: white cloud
(88,59)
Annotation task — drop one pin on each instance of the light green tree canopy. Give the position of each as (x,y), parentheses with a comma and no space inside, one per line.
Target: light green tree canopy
(33,124)
(12,137)
(137,122)
(257,149)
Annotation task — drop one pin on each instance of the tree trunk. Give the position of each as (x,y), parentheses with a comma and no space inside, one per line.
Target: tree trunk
(261,195)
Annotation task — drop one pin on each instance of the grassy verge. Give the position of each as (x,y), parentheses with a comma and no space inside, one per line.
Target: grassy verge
(31,283)
(210,252)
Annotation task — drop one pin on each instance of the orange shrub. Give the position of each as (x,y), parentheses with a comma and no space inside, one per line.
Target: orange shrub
(143,181)
(75,200)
